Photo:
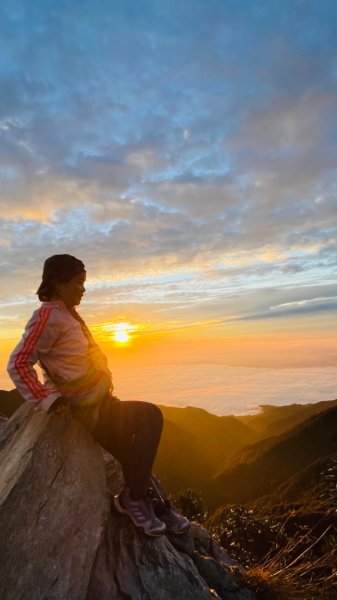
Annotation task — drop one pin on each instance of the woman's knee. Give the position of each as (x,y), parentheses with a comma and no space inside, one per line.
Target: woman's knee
(157,416)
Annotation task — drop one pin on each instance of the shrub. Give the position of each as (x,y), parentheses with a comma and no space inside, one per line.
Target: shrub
(192,505)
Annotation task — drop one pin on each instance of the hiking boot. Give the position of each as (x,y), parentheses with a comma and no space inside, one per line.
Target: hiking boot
(140,512)
(175,522)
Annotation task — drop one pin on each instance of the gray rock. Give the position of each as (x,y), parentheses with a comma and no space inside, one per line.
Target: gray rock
(9,427)
(62,540)
(207,545)
(53,508)
(219,578)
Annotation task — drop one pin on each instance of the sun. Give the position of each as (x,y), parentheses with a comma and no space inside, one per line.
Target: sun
(121,336)
(121,332)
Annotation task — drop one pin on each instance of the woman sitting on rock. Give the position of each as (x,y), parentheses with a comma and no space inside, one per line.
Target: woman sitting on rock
(77,382)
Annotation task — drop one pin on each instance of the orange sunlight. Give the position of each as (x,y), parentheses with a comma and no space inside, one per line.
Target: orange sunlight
(118,332)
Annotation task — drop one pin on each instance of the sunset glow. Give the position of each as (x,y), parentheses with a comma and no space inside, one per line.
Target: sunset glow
(119,332)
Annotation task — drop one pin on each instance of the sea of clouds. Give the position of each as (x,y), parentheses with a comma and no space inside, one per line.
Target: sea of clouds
(225,390)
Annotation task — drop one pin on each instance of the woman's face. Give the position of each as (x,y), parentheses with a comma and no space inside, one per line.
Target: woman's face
(72,291)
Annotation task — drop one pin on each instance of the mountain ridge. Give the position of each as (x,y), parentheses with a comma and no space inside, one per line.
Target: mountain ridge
(271,462)
(198,446)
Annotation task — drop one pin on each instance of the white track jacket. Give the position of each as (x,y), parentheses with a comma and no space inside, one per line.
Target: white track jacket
(73,365)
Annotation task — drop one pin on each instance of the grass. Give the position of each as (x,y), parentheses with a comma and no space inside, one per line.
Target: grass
(304,569)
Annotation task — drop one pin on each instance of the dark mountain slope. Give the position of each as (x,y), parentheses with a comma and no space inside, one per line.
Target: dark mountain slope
(194,446)
(270,463)
(179,462)
(274,420)
(313,488)
(217,437)
(9,402)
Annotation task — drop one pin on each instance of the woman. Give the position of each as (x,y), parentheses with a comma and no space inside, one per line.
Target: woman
(77,382)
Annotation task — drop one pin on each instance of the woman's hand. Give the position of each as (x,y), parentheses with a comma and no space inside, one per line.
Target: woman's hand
(60,407)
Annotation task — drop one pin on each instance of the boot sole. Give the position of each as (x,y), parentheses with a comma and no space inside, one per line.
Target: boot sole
(180,531)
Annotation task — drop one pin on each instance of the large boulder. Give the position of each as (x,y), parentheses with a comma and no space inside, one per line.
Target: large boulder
(62,540)
(53,507)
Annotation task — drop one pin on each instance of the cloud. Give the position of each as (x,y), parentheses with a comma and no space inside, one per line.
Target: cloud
(296,309)
(155,140)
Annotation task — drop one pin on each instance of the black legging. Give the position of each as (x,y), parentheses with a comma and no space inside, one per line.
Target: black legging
(130,431)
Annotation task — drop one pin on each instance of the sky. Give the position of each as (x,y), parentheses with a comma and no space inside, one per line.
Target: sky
(186,152)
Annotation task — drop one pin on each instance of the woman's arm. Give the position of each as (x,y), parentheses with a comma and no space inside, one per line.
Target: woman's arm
(41,333)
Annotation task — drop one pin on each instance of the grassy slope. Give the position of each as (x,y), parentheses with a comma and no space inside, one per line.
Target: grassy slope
(314,487)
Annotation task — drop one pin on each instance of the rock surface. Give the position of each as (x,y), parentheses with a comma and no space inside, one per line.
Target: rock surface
(53,507)
(62,540)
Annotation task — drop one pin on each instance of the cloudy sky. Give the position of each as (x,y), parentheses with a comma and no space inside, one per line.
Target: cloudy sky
(186,152)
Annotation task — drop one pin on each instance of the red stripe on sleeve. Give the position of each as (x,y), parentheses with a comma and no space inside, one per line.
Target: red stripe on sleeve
(21,361)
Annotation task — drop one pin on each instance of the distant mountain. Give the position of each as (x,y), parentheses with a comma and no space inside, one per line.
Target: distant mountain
(224,457)
(194,446)
(261,468)
(9,402)
(274,420)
